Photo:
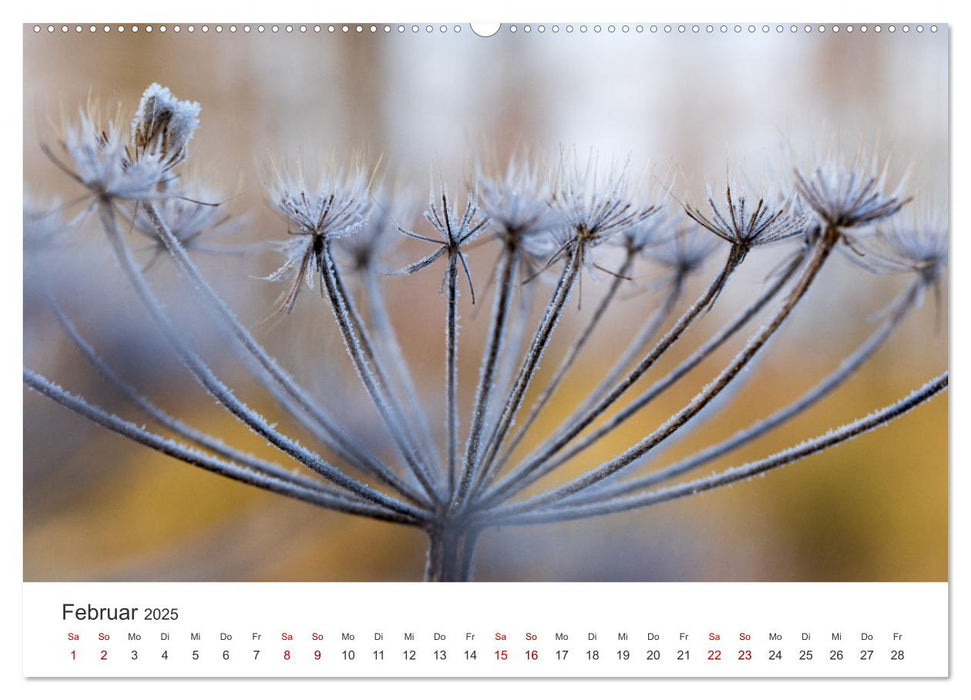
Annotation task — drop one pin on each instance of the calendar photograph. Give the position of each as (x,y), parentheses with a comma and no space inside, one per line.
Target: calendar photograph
(559,303)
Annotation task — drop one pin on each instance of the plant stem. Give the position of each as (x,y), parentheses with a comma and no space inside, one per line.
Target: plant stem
(898,311)
(181,429)
(829,439)
(387,340)
(508,264)
(635,349)
(451,371)
(360,350)
(451,552)
(323,426)
(661,385)
(570,357)
(532,468)
(821,253)
(183,453)
(222,393)
(531,361)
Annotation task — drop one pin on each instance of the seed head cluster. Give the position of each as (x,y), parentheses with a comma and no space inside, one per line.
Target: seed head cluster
(455,478)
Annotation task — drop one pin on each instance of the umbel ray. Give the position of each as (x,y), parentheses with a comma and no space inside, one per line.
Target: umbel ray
(549,227)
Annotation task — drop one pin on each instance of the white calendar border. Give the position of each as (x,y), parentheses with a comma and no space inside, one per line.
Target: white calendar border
(511,10)
(469,630)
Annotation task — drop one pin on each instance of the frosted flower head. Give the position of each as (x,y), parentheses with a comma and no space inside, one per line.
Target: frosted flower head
(595,207)
(518,203)
(917,243)
(685,251)
(746,221)
(188,217)
(101,163)
(337,205)
(651,232)
(847,195)
(163,126)
(454,228)
(380,234)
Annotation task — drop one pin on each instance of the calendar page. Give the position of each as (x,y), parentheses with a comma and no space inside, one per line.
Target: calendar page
(519,350)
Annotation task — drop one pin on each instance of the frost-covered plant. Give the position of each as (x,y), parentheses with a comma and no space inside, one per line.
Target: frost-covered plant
(560,225)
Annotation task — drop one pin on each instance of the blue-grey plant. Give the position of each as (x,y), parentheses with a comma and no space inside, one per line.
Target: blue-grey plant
(559,224)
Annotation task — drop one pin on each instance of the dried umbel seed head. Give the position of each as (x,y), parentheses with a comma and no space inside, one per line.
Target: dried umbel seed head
(368,248)
(518,203)
(653,231)
(163,126)
(748,221)
(594,206)
(338,204)
(195,212)
(847,195)
(100,160)
(454,228)
(916,243)
(685,251)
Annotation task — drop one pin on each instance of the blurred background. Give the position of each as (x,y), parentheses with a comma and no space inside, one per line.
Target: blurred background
(685,108)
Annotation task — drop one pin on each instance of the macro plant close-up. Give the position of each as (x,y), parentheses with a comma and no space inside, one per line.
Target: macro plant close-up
(545,255)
